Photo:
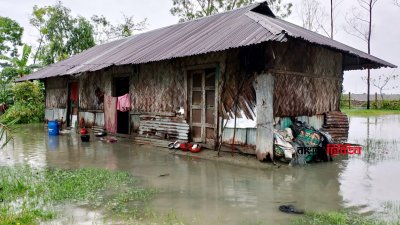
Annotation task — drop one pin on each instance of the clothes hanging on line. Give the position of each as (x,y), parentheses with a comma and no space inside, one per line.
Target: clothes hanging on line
(110,113)
(124,103)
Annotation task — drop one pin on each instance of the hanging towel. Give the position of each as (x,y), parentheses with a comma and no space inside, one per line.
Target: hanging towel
(124,103)
(110,113)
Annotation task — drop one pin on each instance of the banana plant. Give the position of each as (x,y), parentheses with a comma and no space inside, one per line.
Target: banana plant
(21,63)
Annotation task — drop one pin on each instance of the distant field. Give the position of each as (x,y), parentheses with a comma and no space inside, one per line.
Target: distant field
(370,112)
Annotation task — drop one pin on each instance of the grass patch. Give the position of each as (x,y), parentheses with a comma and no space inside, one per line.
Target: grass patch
(370,112)
(334,218)
(29,195)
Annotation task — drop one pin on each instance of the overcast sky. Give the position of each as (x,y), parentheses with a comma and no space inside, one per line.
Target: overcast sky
(386,31)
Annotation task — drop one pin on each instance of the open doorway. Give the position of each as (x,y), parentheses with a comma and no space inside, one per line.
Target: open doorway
(72,109)
(121,87)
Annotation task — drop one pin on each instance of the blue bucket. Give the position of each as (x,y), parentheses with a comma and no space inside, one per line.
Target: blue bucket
(53,128)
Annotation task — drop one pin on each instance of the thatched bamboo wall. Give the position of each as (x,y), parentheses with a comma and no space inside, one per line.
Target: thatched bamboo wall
(56,92)
(161,86)
(89,82)
(308,79)
(158,87)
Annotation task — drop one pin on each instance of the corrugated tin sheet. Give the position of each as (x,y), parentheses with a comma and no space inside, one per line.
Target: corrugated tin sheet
(99,120)
(240,136)
(251,136)
(55,114)
(243,136)
(249,25)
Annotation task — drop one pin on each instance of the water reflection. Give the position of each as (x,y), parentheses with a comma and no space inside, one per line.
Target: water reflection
(208,192)
(370,181)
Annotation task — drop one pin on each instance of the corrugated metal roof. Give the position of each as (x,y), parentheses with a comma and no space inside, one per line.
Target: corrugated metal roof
(249,25)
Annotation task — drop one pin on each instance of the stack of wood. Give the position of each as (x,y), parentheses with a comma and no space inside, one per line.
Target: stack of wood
(160,130)
(337,125)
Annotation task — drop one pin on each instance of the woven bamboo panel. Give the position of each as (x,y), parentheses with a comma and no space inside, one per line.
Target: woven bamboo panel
(56,92)
(300,95)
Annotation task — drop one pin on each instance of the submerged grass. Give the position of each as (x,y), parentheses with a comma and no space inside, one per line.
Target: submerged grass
(334,218)
(370,112)
(29,195)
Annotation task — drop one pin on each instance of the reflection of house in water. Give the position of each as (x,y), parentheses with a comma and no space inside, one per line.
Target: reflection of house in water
(243,60)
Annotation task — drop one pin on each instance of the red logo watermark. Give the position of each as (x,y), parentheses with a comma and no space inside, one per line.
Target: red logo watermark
(336,149)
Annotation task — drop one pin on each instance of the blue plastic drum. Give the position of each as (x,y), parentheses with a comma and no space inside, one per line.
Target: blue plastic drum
(53,128)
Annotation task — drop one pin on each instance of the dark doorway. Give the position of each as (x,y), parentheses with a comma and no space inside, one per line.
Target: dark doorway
(72,109)
(121,87)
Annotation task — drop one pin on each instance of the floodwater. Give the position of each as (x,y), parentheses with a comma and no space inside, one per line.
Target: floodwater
(209,192)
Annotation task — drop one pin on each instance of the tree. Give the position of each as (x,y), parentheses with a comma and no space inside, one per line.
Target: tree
(360,26)
(396,2)
(382,83)
(279,9)
(104,31)
(190,9)
(312,15)
(333,6)
(10,36)
(60,34)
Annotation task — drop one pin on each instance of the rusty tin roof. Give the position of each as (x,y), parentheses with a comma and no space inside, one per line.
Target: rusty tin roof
(245,26)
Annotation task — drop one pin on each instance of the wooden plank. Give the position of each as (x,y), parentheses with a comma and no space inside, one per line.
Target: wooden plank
(171,114)
(265,117)
(292,73)
(201,66)
(162,123)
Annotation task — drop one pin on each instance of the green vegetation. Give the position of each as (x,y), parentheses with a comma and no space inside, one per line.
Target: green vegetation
(378,104)
(61,34)
(29,195)
(386,104)
(6,133)
(28,104)
(370,112)
(189,9)
(334,218)
(10,36)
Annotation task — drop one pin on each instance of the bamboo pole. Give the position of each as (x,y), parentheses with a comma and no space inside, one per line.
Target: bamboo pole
(349,100)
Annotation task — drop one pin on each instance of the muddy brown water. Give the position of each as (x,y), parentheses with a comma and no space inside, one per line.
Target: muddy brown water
(210,192)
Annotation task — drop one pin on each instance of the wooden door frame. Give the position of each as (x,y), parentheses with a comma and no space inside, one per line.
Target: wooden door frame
(188,87)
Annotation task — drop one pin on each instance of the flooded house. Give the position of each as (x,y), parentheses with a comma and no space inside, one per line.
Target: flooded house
(183,81)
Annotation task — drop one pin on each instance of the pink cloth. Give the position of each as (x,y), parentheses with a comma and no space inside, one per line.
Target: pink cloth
(124,103)
(110,113)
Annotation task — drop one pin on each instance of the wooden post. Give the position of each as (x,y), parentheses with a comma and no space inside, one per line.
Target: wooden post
(349,100)
(376,100)
(265,117)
